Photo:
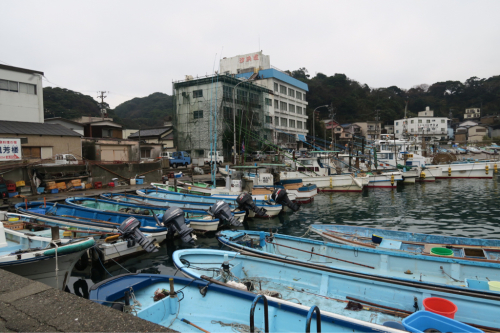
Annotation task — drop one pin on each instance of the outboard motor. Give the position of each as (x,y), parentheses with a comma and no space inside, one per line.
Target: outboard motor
(246,203)
(221,211)
(279,195)
(173,219)
(129,230)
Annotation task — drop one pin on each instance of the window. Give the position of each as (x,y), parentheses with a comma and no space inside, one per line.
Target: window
(283,122)
(14,86)
(304,96)
(107,133)
(269,102)
(242,95)
(420,121)
(32,152)
(269,119)
(299,124)
(298,94)
(276,104)
(282,89)
(197,93)
(397,131)
(442,121)
(146,153)
(198,114)
(291,123)
(227,92)
(397,123)
(228,112)
(254,98)
(428,121)
(291,108)
(275,87)
(412,121)
(299,110)
(412,130)
(443,129)
(276,121)
(291,92)
(283,106)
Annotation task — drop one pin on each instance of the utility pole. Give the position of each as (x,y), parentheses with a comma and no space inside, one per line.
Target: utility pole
(332,114)
(377,118)
(102,97)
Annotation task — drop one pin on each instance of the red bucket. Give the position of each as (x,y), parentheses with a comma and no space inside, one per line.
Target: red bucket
(440,306)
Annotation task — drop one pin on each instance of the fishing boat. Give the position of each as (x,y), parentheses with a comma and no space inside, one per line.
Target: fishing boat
(462,248)
(377,261)
(474,150)
(330,287)
(40,258)
(188,305)
(272,209)
(199,220)
(478,170)
(85,216)
(109,243)
(320,170)
(164,203)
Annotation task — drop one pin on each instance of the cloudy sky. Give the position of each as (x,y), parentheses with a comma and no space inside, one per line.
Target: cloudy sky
(135,48)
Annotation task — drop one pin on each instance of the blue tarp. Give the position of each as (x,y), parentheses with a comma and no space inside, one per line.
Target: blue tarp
(302,137)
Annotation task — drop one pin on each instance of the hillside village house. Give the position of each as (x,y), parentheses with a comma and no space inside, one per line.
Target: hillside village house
(424,127)
(22,116)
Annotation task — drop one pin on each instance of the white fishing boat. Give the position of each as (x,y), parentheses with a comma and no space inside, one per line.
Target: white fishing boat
(39,258)
(321,171)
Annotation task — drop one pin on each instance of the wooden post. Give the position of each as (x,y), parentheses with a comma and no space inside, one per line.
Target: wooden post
(175,184)
(44,202)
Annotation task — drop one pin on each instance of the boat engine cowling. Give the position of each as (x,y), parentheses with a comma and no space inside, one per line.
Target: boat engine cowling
(174,220)
(221,211)
(129,230)
(280,197)
(246,203)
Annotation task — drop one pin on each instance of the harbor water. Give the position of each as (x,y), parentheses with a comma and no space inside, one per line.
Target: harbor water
(455,207)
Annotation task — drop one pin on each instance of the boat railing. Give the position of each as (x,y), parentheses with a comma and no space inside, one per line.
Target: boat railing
(266,314)
(312,310)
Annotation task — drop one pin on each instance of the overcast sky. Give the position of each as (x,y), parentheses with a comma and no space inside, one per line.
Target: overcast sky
(135,48)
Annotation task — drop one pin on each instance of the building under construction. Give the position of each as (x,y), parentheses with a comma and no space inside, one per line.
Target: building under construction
(204,111)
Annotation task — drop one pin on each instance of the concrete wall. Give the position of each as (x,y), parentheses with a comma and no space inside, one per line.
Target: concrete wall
(93,148)
(59,144)
(17,106)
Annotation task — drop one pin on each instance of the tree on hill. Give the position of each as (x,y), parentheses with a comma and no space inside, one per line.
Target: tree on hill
(65,103)
(148,111)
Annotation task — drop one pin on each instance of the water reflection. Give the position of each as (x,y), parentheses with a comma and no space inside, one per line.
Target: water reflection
(468,208)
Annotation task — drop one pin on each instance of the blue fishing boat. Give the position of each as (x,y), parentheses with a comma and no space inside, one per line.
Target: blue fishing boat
(330,288)
(199,220)
(165,204)
(188,305)
(272,209)
(110,243)
(85,216)
(473,249)
(39,258)
(440,270)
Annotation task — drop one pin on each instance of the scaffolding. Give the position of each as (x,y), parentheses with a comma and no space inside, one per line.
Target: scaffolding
(204,114)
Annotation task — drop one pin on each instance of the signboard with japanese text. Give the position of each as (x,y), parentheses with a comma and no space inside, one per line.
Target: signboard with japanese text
(10,149)
(245,62)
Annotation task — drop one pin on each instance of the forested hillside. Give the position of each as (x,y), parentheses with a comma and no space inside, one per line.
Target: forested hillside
(69,104)
(354,101)
(148,111)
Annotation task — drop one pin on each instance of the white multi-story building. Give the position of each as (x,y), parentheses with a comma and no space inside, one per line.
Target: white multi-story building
(424,126)
(287,101)
(21,94)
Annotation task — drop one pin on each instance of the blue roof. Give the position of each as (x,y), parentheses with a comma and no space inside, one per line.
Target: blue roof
(271,72)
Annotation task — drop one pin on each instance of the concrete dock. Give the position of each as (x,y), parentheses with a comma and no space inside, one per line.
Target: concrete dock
(30,306)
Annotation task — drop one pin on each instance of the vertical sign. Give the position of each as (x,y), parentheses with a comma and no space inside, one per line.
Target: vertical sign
(10,149)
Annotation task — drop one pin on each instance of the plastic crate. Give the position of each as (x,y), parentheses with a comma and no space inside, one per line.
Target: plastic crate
(13,194)
(40,189)
(111,184)
(421,321)
(20,183)
(78,187)
(139,181)
(54,190)
(11,187)
(98,185)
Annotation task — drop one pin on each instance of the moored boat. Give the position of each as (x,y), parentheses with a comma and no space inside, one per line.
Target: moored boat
(188,305)
(277,275)
(39,258)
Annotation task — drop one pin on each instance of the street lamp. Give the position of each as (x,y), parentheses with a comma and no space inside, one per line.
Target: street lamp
(234,121)
(314,118)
